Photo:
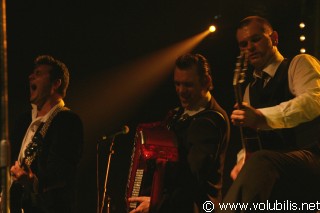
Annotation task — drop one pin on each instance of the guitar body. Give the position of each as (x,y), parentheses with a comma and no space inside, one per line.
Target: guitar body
(251,141)
(18,193)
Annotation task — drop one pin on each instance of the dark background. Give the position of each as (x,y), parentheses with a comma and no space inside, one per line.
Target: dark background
(95,38)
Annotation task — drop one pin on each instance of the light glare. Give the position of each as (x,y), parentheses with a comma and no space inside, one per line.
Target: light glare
(302,25)
(212,28)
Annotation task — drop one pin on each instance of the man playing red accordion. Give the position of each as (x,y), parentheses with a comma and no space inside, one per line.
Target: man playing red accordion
(202,130)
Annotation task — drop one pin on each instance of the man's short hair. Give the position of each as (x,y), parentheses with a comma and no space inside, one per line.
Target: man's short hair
(266,26)
(59,71)
(199,62)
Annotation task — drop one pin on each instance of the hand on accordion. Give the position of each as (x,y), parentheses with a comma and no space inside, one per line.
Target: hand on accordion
(144,204)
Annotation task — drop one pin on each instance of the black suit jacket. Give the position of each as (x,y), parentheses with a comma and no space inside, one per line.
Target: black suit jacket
(202,142)
(55,166)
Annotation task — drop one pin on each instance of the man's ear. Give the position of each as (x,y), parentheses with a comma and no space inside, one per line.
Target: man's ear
(208,82)
(56,84)
(274,38)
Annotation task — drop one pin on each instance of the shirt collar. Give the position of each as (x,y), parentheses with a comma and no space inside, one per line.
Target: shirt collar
(46,116)
(272,67)
(202,106)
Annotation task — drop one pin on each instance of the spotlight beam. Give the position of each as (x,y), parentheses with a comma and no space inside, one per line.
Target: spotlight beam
(108,100)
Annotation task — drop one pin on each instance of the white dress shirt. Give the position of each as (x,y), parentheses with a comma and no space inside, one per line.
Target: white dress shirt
(304,84)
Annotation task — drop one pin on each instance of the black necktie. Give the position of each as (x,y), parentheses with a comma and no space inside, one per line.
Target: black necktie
(261,82)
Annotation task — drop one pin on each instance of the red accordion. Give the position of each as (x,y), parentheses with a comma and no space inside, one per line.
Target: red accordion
(154,146)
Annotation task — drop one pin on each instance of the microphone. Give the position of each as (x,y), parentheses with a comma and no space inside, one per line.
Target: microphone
(121,131)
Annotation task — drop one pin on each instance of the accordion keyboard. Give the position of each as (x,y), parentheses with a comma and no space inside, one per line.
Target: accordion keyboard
(136,186)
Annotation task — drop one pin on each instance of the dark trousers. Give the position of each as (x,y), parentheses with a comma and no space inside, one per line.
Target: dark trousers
(278,179)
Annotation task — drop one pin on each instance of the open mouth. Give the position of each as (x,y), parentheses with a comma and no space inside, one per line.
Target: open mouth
(33,87)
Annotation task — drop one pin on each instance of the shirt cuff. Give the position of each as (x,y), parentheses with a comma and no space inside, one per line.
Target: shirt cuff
(274,117)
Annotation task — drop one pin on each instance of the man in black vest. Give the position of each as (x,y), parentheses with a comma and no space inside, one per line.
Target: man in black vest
(282,103)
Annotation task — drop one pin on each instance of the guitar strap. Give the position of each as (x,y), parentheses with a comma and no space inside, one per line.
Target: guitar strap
(42,130)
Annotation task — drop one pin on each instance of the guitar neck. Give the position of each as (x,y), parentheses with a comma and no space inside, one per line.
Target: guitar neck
(238,95)
(238,80)
(239,99)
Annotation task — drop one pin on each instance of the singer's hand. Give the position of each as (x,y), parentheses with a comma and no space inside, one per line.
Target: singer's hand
(24,177)
(143,206)
(249,117)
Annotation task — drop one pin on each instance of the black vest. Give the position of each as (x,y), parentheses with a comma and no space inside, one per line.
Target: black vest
(275,92)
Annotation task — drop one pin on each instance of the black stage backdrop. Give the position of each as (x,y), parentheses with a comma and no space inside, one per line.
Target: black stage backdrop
(96,38)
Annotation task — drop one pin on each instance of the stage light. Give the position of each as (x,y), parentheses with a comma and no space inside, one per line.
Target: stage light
(302,25)
(302,38)
(212,28)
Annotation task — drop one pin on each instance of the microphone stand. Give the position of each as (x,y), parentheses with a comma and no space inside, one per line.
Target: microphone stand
(105,196)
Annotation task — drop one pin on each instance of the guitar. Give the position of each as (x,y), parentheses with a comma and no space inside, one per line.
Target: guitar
(17,190)
(248,136)
(30,154)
